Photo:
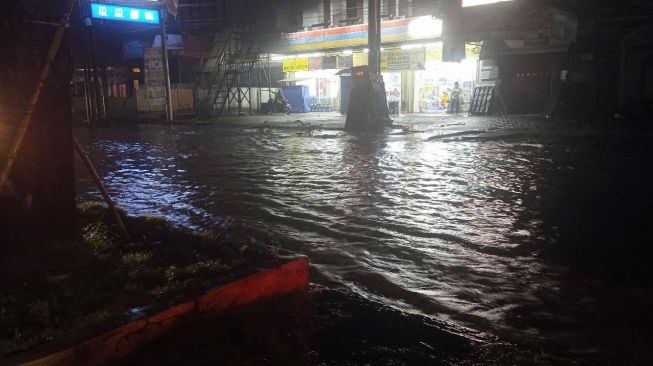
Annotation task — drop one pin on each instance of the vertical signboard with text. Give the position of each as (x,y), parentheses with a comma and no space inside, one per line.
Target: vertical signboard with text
(155,90)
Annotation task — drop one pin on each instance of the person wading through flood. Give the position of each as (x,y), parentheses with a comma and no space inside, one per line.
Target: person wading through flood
(456,94)
(281,102)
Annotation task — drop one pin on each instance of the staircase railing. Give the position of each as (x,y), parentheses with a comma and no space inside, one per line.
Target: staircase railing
(234,53)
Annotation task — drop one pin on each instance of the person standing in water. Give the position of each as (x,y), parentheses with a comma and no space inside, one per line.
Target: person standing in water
(455,99)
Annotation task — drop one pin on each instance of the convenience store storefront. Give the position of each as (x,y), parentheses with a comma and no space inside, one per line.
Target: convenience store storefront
(410,62)
(415,77)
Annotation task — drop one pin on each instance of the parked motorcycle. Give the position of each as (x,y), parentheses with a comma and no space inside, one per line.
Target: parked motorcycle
(279,106)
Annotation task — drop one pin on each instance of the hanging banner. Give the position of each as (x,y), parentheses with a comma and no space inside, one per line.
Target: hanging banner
(398,59)
(295,64)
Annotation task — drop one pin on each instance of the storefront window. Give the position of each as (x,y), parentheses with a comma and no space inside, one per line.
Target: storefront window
(433,86)
(393,90)
(323,88)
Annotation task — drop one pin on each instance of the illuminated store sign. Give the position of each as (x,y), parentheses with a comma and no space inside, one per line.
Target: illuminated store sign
(124,13)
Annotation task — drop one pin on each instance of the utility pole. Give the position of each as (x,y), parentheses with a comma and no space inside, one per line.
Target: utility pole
(166,68)
(374,36)
(368,106)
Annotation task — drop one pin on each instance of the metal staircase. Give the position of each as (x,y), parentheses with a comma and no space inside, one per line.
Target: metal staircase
(233,55)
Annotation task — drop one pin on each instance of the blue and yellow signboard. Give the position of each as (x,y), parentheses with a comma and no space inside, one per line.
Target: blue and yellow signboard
(124,13)
(392,31)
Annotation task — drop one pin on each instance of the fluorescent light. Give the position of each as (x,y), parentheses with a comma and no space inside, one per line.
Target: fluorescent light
(411,46)
(481,2)
(425,27)
(315,54)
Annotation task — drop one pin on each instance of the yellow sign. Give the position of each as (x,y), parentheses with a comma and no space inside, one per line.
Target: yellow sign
(359,59)
(472,51)
(398,59)
(295,64)
(434,52)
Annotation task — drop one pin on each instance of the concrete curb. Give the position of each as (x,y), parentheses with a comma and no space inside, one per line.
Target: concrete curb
(109,347)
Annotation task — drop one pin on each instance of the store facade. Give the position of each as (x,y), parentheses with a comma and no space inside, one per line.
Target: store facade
(411,64)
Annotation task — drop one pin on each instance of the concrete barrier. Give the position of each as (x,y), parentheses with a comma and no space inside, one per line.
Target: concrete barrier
(289,275)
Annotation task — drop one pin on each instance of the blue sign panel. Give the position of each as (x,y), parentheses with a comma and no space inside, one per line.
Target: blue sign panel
(124,13)
(133,49)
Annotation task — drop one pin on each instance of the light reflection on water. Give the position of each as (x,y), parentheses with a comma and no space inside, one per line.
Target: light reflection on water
(449,226)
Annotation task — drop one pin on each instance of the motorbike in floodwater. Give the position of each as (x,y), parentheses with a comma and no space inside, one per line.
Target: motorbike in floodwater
(279,106)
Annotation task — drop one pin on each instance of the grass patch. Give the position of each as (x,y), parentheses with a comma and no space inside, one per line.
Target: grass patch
(51,290)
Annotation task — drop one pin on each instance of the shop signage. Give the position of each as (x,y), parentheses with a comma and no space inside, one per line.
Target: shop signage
(472,51)
(398,59)
(544,24)
(359,59)
(295,64)
(155,90)
(392,31)
(124,13)
(434,52)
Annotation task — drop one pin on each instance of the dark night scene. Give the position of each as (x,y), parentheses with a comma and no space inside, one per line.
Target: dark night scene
(326,182)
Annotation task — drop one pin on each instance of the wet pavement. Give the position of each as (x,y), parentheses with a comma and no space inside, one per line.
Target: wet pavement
(521,228)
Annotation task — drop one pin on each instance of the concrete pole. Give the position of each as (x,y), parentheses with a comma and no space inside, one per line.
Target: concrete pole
(166,69)
(374,36)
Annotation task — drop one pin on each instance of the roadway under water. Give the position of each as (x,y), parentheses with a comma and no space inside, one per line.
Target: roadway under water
(522,228)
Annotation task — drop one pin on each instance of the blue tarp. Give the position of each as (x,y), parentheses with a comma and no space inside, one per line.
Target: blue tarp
(298,98)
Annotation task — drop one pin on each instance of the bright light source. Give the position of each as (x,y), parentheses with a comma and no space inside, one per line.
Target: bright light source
(425,27)
(347,52)
(123,13)
(315,54)
(281,57)
(481,2)
(411,46)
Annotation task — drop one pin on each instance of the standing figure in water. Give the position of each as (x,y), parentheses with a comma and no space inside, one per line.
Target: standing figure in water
(456,95)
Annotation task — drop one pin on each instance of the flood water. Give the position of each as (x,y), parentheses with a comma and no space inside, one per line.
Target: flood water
(528,230)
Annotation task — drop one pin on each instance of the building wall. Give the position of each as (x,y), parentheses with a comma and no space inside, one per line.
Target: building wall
(312,12)
(338,13)
(602,27)
(528,82)
(182,100)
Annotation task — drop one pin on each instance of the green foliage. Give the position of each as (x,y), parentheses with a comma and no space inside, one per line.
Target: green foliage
(60,288)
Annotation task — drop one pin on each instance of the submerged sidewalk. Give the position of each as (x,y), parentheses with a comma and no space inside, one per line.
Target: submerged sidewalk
(336,121)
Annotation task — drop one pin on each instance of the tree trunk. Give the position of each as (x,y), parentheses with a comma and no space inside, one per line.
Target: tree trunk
(42,194)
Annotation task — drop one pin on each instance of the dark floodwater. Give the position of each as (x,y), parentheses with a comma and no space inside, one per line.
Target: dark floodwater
(521,228)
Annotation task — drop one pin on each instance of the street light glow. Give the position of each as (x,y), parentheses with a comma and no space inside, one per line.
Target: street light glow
(481,2)
(425,27)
